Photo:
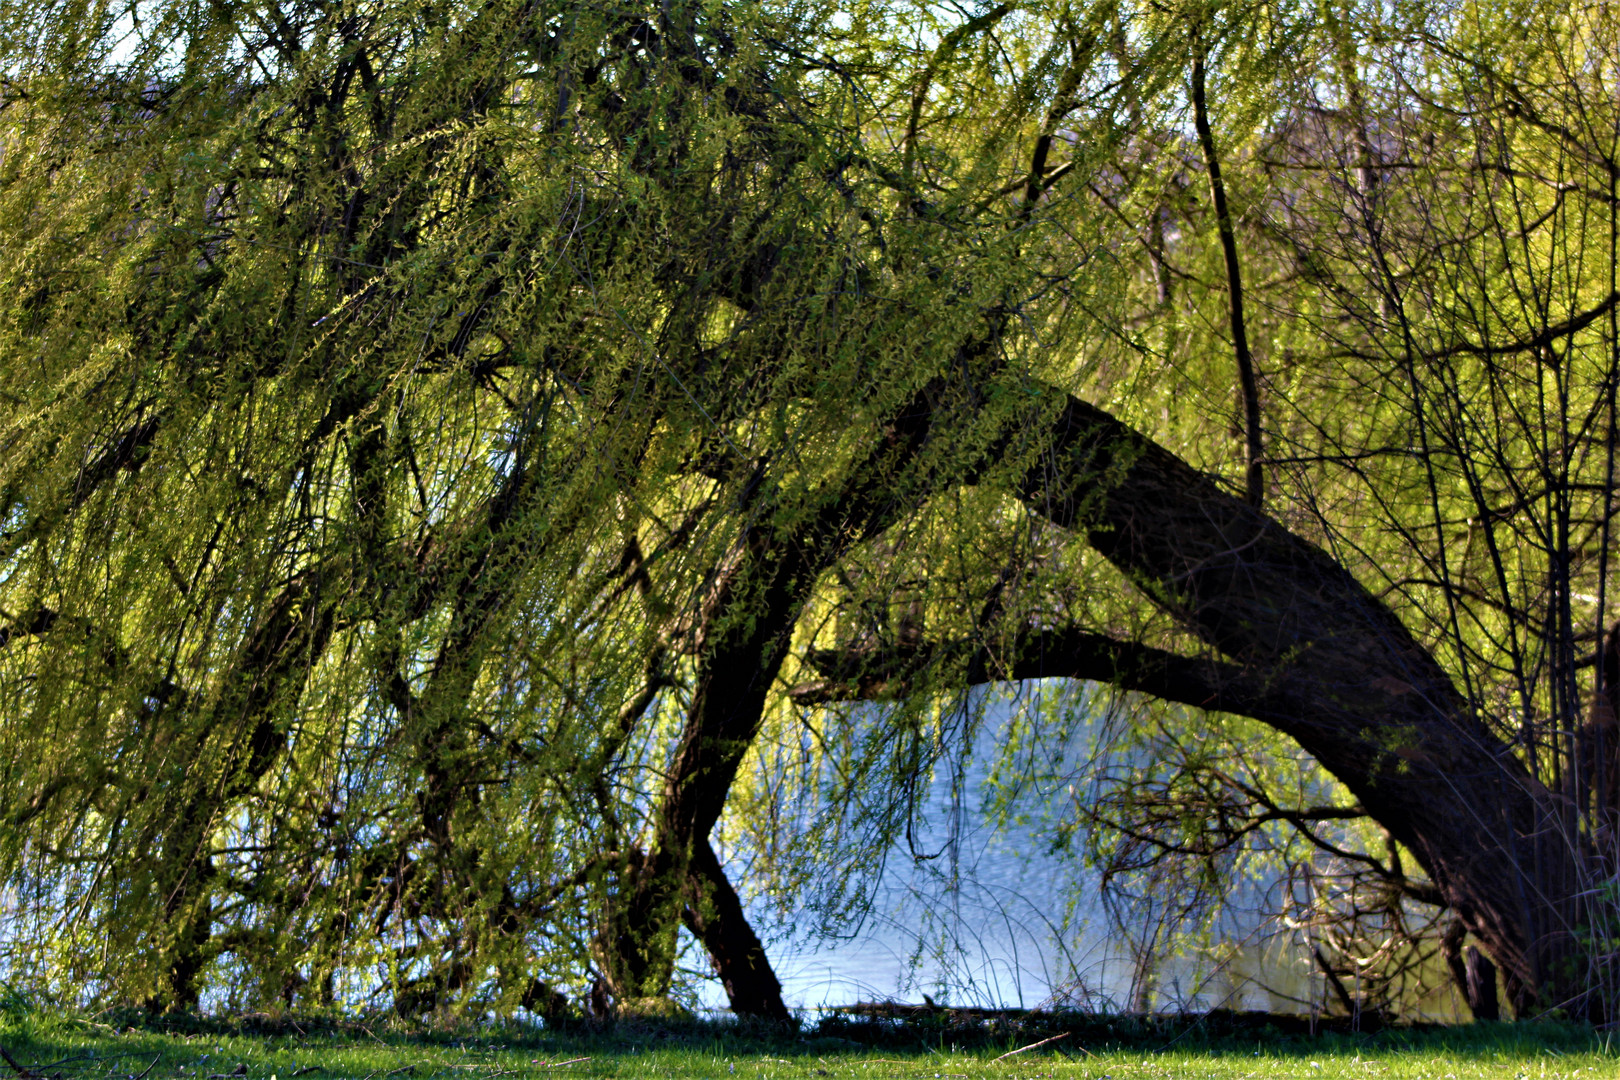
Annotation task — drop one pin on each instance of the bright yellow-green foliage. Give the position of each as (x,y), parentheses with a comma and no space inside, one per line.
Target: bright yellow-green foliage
(399,399)
(353,356)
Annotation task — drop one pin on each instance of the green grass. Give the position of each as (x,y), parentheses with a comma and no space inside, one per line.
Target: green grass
(77,1049)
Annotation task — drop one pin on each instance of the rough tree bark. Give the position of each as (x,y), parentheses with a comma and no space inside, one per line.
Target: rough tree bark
(769,581)
(1309,651)
(715,915)
(1344,678)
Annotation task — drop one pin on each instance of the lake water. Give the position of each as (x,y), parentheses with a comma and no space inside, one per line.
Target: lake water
(999,921)
(1005,922)
(995,938)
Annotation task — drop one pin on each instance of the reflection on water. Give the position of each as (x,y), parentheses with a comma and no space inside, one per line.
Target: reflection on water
(993,919)
(992,937)
(997,919)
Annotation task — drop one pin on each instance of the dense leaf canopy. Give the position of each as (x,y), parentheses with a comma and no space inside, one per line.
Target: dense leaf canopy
(457,458)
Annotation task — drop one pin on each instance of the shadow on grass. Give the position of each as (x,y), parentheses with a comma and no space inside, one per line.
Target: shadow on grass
(49,1046)
(1218,1032)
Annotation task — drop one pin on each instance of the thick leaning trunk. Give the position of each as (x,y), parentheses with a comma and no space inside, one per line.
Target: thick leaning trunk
(1342,676)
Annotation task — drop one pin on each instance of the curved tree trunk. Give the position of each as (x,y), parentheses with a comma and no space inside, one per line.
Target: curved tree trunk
(1331,666)
(1309,651)
(748,617)
(770,583)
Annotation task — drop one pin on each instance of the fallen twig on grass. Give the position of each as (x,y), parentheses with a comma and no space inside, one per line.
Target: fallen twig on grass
(1031,1046)
(384,1075)
(26,1074)
(69,1061)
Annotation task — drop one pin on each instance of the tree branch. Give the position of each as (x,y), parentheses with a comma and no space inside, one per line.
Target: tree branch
(1068,653)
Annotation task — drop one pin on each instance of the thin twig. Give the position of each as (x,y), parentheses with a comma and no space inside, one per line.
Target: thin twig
(25,1073)
(1032,1046)
(64,1061)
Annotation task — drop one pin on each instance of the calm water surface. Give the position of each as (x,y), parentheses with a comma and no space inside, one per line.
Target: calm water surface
(1022,926)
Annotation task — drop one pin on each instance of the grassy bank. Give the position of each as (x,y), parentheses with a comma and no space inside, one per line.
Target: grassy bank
(78,1049)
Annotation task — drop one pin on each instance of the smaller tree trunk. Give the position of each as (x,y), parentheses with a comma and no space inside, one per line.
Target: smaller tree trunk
(1479,985)
(546,1002)
(715,916)
(1473,973)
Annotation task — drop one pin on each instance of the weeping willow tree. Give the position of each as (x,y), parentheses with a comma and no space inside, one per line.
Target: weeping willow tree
(420,566)
(445,447)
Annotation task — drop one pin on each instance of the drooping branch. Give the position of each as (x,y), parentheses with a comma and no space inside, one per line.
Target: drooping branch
(942,54)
